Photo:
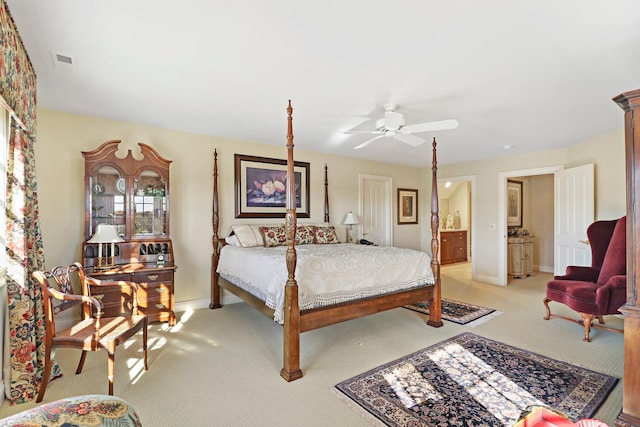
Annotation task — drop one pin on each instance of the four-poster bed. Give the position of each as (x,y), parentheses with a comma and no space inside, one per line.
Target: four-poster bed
(298,311)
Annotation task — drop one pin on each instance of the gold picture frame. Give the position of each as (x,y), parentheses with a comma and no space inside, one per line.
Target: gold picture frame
(260,187)
(514,203)
(407,206)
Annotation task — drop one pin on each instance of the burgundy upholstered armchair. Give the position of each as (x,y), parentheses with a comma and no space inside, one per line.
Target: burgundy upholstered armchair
(600,289)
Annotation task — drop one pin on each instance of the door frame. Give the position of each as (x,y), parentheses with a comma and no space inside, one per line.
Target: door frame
(502,212)
(471,233)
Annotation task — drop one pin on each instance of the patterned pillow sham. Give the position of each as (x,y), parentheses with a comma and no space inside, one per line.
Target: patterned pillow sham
(274,235)
(305,235)
(324,235)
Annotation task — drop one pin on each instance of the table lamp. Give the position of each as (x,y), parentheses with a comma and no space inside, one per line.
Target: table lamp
(350,220)
(105,234)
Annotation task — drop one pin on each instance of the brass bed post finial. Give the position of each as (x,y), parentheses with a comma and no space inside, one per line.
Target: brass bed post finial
(435,309)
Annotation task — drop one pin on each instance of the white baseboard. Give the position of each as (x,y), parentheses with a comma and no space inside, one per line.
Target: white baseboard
(195,304)
(544,268)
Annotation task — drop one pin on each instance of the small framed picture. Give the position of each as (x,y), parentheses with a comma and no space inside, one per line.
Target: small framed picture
(407,206)
(514,203)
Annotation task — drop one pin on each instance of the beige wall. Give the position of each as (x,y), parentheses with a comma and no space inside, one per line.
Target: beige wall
(606,152)
(60,168)
(60,172)
(540,222)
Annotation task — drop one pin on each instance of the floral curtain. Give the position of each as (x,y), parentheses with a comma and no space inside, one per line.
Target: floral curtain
(17,77)
(24,251)
(24,255)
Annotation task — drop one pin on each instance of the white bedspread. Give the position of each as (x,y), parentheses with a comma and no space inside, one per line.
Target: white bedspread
(326,274)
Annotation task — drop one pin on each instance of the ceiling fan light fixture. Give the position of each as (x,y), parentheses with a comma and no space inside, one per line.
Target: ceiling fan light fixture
(392,125)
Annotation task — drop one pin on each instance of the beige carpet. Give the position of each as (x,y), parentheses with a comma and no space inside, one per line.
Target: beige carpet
(221,367)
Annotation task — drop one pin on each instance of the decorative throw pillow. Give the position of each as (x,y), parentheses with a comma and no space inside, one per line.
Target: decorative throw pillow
(325,235)
(274,235)
(247,235)
(304,234)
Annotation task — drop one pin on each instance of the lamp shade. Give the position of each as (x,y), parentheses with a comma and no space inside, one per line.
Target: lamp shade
(105,233)
(350,219)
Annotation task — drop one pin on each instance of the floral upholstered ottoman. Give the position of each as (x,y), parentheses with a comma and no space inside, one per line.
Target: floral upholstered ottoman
(79,411)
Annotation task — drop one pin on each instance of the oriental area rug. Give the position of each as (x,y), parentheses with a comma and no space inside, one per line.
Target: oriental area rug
(459,312)
(469,380)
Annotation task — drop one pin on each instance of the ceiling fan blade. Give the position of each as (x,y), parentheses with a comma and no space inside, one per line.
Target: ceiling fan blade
(393,120)
(364,144)
(364,131)
(409,139)
(425,127)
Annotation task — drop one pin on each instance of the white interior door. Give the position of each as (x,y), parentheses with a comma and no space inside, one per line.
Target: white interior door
(376,209)
(574,207)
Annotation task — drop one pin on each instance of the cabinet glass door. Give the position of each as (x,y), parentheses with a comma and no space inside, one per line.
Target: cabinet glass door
(149,205)
(107,202)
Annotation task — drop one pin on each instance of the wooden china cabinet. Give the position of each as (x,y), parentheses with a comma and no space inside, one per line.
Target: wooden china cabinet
(133,196)
(453,246)
(630,415)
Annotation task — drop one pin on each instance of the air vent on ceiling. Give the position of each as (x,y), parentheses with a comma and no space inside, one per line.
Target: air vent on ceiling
(62,60)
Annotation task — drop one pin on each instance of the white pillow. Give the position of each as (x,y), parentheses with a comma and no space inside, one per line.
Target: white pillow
(247,235)
(232,240)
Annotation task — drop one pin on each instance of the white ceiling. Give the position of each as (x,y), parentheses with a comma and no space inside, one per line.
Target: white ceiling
(534,76)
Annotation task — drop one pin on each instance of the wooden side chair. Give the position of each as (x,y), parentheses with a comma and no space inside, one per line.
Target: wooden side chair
(94,332)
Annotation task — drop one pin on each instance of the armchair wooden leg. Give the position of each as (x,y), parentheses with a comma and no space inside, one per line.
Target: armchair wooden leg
(45,375)
(546,306)
(144,342)
(83,356)
(111,351)
(587,319)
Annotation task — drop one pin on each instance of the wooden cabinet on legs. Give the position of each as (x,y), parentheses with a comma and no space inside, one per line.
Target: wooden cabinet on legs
(520,255)
(453,246)
(630,415)
(130,197)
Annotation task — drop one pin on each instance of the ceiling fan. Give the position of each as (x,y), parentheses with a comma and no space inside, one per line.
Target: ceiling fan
(392,125)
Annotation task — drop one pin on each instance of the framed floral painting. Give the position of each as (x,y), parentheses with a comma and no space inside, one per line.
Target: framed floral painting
(260,187)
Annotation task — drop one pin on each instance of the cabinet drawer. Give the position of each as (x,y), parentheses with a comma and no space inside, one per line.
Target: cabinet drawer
(115,300)
(156,300)
(112,277)
(156,292)
(153,276)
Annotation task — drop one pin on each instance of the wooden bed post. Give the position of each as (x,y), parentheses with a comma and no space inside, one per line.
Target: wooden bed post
(326,194)
(435,307)
(291,330)
(215,257)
